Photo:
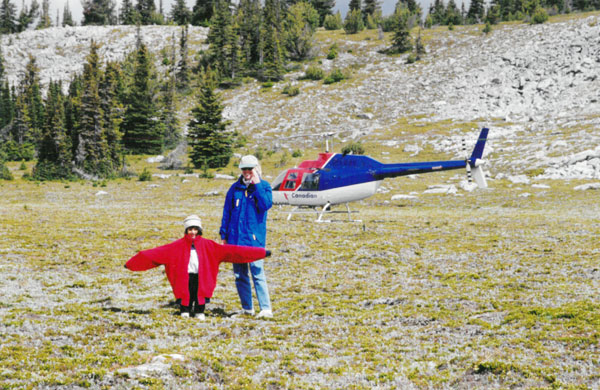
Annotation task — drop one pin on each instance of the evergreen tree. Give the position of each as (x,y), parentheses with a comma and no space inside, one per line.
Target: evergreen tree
(27,15)
(111,88)
(202,12)
(300,25)
(224,50)
(272,65)
(183,69)
(210,144)
(45,20)
(54,156)
(476,11)
(354,22)
(73,111)
(180,14)
(92,154)
(146,10)
(30,90)
(128,15)
(141,132)
(169,109)
(370,8)
(7,109)
(324,8)
(67,17)
(354,5)
(249,20)
(401,42)
(453,15)
(98,12)
(8,14)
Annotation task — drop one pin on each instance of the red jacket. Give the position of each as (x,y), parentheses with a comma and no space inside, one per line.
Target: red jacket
(176,256)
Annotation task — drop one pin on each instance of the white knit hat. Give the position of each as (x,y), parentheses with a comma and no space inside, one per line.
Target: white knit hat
(192,220)
(248,161)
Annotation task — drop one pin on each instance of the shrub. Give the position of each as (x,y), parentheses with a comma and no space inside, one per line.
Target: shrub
(297,153)
(291,90)
(333,52)
(539,16)
(5,172)
(145,175)
(353,148)
(354,22)
(12,151)
(314,73)
(488,28)
(335,76)
(333,22)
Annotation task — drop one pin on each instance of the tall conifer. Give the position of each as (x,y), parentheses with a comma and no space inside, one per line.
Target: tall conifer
(8,15)
(272,66)
(98,12)
(210,144)
(67,16)
(141,132)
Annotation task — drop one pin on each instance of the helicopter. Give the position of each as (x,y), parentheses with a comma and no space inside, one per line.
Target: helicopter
(336,178)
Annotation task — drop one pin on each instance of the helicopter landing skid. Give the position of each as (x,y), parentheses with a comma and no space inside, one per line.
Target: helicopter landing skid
(324,210)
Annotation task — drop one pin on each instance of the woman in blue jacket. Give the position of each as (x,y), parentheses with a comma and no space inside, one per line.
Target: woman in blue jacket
(244,222)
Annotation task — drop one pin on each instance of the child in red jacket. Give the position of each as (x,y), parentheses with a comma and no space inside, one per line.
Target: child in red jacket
(192,264)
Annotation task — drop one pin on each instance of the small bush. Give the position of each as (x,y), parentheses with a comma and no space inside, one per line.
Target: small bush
(488,28)
(297,153)
(291,90)
(353,148)
(5,172)
(412,57)
(314,73)
(145,175)
(335,76)
(333,22)
(354,22)
(333,52)
(539,16)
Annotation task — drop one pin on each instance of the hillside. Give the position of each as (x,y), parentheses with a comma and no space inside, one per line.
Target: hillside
(452,289)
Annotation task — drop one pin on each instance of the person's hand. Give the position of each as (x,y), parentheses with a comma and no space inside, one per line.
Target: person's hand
(268,253)
(255,177)
(224,241)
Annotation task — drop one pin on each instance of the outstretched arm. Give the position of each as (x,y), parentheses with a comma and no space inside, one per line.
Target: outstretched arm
(150,258)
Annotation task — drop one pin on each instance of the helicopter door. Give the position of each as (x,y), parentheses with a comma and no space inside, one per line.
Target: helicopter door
(292,181)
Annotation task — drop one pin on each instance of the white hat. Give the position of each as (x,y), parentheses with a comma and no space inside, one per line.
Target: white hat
(248,162)
(192,220)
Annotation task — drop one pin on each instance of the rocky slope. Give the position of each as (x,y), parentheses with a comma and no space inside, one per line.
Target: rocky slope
(537,86)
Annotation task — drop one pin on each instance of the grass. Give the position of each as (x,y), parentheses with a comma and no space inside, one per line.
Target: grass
(485,289)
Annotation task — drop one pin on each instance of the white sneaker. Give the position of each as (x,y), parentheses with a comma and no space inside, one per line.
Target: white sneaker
(244,312)
(185,315)
(201,317)
(267,313)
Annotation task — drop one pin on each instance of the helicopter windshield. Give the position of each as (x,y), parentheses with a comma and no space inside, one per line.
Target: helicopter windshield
(310,182)
(278,181)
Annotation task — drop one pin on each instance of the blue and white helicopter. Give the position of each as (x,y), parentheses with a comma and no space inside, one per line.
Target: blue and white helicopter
(335,178)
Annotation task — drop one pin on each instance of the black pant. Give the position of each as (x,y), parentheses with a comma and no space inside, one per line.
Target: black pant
(194,306)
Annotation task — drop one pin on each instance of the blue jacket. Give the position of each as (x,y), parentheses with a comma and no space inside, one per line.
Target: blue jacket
(244,219)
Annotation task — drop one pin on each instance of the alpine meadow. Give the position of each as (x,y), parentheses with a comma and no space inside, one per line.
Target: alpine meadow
(114,131)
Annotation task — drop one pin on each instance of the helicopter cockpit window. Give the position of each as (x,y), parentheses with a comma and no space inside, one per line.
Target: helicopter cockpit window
(290,184)
(310,182)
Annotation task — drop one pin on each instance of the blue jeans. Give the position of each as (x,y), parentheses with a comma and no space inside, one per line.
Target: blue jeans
(242,282)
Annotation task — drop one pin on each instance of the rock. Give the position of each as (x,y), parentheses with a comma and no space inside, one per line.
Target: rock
(156,159)
(402,197)
(221,176)
(585,187)
(441,189)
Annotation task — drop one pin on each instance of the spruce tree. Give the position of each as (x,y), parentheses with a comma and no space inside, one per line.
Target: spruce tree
(146,10)
(73,111)
(141,132)
(370,8)
(55,154)
(110,89)
(249,20)
(8,14)
(169,109)
(98,12)
(129,15)
(45,20)
(300,25)
(183,70)
(354,5)
(7,110)
(67,16)
(27,15)
(180,14)
(401,42)
(30,90)
(92,154)
(324,8)
(202,12)
(210,144)
(476,11)
(272,66)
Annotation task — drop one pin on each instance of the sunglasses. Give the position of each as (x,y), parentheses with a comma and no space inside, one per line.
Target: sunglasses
(247,169)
